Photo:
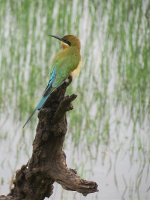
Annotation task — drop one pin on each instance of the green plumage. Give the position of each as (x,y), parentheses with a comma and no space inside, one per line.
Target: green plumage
(64,63)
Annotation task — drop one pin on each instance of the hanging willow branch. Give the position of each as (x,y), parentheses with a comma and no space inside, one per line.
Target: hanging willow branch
(34,181)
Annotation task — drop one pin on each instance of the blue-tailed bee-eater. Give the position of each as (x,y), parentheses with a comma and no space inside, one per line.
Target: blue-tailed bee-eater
(65,63)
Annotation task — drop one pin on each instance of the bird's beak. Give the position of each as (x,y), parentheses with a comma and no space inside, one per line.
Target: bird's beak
(57,37)
(61,39)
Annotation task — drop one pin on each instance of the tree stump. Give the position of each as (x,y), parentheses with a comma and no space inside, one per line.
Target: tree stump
(34,181)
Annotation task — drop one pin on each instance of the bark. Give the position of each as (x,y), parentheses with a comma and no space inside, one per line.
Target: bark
(34,181)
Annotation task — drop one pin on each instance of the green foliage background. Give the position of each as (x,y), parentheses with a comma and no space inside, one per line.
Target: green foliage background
(113,106)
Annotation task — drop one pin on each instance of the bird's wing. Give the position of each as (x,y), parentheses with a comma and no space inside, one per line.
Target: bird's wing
(50,82)
(48,90)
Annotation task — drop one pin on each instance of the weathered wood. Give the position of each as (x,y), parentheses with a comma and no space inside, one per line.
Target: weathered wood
(34,181)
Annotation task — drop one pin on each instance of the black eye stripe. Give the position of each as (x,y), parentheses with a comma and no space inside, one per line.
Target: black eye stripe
(66,41)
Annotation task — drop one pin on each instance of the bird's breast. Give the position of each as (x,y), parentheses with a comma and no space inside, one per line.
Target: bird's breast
(76,71)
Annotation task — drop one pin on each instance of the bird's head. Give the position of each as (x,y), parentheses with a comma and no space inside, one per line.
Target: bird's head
(68,41)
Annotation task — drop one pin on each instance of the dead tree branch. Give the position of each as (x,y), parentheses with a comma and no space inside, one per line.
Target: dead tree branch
(34,181)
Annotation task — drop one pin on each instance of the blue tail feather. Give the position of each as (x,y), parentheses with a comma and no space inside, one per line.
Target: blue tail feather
(38,107)
(29,118)
(45,96)
(42,102)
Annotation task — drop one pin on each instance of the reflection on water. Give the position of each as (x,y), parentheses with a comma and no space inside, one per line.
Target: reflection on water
(108,133)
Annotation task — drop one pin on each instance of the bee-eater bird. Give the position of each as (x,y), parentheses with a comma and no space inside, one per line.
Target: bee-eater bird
(65,63)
